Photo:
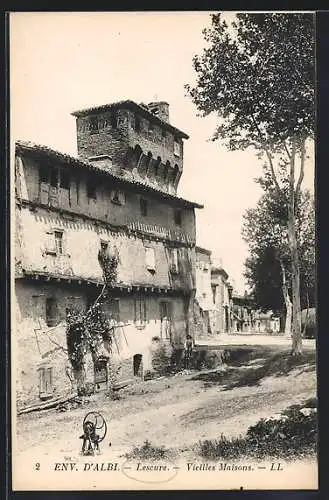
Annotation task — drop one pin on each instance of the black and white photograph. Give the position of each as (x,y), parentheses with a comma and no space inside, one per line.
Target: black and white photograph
(163,268)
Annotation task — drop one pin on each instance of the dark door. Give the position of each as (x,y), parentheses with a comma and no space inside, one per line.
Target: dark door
(138,365)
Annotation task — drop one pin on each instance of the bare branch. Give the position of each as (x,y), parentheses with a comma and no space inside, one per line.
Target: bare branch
(268,154)
(287,150)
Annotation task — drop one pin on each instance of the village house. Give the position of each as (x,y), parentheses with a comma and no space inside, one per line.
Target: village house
(248,318)
(213,295)
(119,196)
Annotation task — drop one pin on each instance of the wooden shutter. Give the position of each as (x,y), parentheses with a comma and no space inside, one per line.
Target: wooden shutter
(50,243)
(150,258)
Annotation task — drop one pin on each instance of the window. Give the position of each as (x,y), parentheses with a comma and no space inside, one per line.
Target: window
(93,124)
(150,258)
(143,206)
(54,177)
(174,260)
(118,197)
(54,242)
(165,318)
(51,312)
(46,386)
(91,188)
(140,311)
(114,119)
(104,245)
(44,174)
(65,179)
(176,148)
(58,242)
(114,309)
(178,217)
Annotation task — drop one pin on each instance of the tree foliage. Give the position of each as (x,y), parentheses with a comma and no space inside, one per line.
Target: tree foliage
(266,234)
(257,75)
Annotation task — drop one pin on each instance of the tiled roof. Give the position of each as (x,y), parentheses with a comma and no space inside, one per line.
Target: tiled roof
(45,151)
(143,110)
(203,250)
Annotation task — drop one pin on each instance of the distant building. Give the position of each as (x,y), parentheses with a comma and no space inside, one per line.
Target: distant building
(118,196)
(242,313)
(266,322)
(213,293)
(247,318)
(222,298)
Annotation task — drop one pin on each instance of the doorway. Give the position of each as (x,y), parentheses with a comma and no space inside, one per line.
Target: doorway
(138,365)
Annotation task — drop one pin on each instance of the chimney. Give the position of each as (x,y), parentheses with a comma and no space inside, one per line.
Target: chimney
(160,109)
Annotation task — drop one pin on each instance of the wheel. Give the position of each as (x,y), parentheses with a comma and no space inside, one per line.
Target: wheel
(98,421)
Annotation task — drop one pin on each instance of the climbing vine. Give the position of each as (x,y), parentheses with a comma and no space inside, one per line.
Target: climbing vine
(87,331)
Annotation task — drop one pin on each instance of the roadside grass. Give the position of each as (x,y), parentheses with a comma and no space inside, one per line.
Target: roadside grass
(147,451)
(244,373)
(292,436)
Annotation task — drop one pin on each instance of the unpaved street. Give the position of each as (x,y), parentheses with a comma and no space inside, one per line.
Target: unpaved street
(175,411)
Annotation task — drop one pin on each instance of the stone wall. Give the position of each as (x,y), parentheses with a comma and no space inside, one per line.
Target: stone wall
(75,199)
(112,140)
(38,346)
(81,241)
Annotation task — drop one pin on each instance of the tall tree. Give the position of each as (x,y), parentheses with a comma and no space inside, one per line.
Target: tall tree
(257,75)
(268,267)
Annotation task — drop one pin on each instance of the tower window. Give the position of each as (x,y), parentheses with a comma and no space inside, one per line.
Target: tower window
(94,124)
(143,206)
(114,119)
(176,148)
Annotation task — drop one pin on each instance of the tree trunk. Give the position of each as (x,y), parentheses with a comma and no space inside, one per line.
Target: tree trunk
(80,378)
(296,329)
(307,312)
(287,301)
(288,321)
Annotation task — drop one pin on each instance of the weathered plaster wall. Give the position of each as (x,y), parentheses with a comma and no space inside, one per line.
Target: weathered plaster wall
(81,243)
(159,212)
(39,345)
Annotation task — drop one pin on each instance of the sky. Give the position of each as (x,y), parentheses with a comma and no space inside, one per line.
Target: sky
(61,62)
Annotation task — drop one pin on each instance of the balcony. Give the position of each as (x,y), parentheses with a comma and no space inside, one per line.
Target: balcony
(174,235)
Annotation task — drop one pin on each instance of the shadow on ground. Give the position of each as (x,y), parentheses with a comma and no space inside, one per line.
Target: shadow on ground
(250,372)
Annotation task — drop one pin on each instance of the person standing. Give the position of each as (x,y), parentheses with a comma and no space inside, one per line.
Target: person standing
(188,347)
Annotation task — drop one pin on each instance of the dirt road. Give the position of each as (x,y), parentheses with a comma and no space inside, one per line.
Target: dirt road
(175,411)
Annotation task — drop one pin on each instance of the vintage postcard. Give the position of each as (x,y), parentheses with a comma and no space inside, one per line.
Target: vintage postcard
(163,251)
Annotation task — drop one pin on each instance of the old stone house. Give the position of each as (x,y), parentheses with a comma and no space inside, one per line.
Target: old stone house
(119,195)
(222,297)
(213,295)
(248,318)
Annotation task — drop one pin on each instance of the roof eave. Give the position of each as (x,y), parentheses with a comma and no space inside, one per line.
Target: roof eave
(128,103)
(71,160)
